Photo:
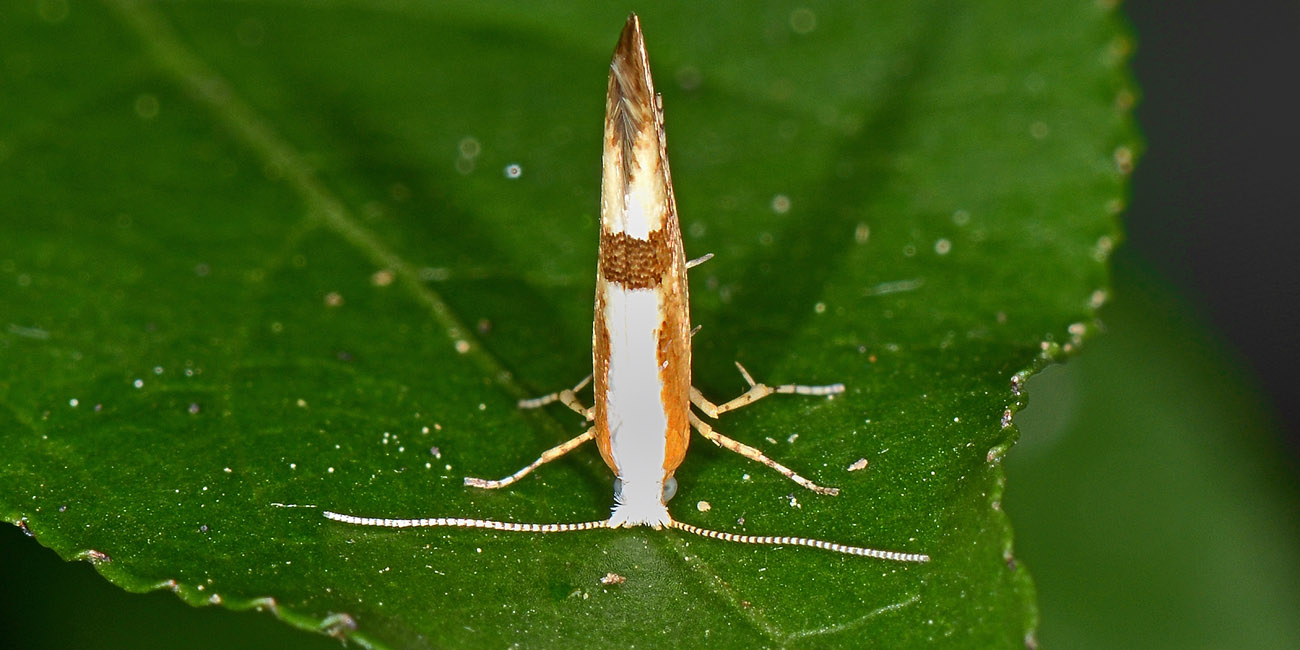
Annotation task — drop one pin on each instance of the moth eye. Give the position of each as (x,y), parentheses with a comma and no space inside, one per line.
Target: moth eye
(670,488)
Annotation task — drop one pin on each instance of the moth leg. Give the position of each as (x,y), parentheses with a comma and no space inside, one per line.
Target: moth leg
(546,457)
(757,392)
(755,455)
(567,397)
(690,264)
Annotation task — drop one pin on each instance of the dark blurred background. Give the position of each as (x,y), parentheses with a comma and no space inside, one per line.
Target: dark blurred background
(1213,213)
(1215,206)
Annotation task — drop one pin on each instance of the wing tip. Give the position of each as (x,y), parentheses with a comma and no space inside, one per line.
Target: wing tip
(630,66)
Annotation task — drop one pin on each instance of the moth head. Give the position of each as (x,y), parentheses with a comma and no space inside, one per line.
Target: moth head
(642,502)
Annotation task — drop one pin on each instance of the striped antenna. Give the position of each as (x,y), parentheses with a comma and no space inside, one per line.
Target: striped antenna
(457,522)
(800,541)
(515,527)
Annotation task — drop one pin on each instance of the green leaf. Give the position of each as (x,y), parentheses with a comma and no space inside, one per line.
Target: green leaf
(265,255)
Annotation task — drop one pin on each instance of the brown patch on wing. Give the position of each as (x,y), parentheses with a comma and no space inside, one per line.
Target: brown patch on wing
(636,263)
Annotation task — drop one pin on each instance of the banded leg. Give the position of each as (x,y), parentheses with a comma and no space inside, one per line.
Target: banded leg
(546,457)
(567,397)
(755,455)
(757,392)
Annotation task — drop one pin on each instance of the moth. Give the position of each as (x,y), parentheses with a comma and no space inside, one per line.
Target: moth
(641,339)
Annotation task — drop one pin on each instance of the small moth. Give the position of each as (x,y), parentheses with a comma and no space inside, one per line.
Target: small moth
(641,338)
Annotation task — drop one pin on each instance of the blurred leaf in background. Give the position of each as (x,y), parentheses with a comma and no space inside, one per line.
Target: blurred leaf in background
(1151,494)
